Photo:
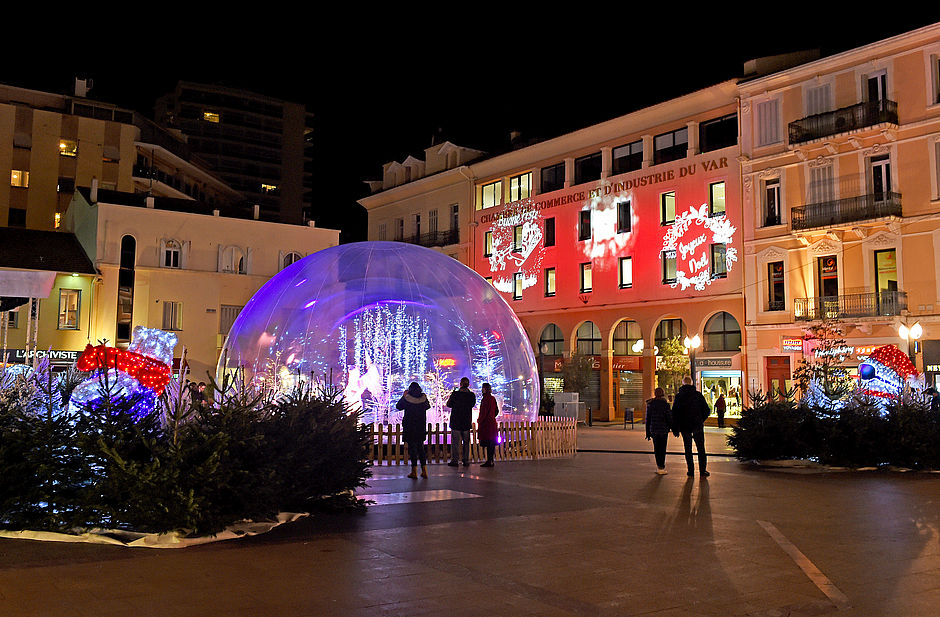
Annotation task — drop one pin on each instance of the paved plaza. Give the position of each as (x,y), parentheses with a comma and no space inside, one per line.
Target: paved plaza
(596,535)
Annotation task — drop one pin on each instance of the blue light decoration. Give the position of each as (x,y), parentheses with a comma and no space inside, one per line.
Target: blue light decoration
(139,373)
(375,316)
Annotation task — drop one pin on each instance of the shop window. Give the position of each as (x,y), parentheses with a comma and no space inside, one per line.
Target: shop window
(776,300)
(586,281)
(671,146)
(624,217)
(718,133)
(669,267)
(488,244)
(517,286)
(587,168)
(584,225)
(171,254)
(520,187)
(722,333)
(490,195)
(552,341)
(552,178)
(772,202)
(69,304)
(550,282)
(626,335)
(627,158)
(667,208)
(719,263)
(626,272)
(588,339)
(550,231)
(716,199)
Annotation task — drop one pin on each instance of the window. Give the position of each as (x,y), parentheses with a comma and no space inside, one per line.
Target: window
(669,329)
(550,282)
(586,284)
(489,279)
(13,319)
(268,188)
(818,100)
(716,199)
(880,173)
(454,217)
(667,208)
(669,266)
(227,316)
(626,272)
(488,244)
(553,178)
(69,302)
(517,239)
(211,116)
(624,217)
(552,342)
(416,225)
(626,335)
(627,158)
(172,316)
(589,339)
(718,133)
(722,333)
(719,261)
(16,217)
(290,258)
(886,274)
(68,147)
(584,225)
(772,202)
(19,178)
(821,185)
(827,273)
(671,146)
(65,185)
(768,123)
(171,254)
(399,229)
(776,297)
(520,186)
(517,286)
(587,168)
(490,195)
(383,231)
(125,300)
(233,261)
(550,232)
(432,223)
(877,86)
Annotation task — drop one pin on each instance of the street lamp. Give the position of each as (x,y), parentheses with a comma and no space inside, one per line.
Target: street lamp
(691,344)
(912,333)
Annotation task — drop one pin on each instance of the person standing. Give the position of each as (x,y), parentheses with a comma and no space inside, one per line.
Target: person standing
(689,410)
(720,410)
(461,403)
(658,422)
(487,428)
(414,425)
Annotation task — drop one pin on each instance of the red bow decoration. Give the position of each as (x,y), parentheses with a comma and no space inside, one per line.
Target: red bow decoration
(151,373)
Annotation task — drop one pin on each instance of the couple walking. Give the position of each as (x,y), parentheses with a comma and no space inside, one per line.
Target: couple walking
(462,401)
(687,417)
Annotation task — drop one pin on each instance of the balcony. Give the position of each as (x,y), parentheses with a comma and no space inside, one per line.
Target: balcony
(848,210)
(435,238)
(843,120)
(871,304)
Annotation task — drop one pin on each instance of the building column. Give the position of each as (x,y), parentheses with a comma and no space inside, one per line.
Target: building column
(649,372)
(693,145)
(607,385)
(606,162)
(569,172)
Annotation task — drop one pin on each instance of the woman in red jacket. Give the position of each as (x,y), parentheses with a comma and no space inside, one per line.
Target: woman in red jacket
(487,430)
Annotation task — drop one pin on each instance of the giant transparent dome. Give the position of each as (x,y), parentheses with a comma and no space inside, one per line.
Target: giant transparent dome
(374,316)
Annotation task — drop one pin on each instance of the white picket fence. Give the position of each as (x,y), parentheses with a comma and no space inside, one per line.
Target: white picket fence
(544,438)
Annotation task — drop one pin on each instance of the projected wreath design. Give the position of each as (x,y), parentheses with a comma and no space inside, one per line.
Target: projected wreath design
(696,272)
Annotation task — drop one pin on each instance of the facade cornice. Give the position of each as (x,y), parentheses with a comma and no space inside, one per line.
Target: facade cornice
(421,186)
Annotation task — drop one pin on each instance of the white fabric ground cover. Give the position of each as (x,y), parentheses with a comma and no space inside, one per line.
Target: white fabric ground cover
(156,540)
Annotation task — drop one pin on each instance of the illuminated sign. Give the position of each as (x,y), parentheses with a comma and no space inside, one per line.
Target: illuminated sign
(714,362)
(688,237)
(444,362)
(625,363)
(791,344)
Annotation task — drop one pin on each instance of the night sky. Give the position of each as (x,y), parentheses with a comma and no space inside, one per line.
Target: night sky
(382,88)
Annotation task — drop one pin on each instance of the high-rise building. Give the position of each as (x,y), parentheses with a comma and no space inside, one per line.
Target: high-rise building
(259,145)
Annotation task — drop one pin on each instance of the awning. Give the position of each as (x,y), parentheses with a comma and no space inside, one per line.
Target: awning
(26,283)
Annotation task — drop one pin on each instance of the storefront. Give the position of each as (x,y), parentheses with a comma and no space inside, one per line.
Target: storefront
(627,373)
(59,359)
(931,363)
(717,376)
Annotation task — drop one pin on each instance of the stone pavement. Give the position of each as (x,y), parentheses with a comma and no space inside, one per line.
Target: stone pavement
(596,535)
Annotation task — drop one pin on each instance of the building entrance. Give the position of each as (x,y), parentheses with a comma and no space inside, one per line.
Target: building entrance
(716,383)
(628,393)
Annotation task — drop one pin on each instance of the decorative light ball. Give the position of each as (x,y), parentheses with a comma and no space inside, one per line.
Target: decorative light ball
(374,316)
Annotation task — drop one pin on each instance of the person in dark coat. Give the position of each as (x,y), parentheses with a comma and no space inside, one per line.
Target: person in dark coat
(658,422)
(689,410)
(461,403)
(487,428)
(720,406)
(414,425)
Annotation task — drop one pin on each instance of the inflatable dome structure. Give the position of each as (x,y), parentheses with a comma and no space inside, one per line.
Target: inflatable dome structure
(374,316)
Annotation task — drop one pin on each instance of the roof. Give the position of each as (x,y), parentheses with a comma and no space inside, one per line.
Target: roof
(33,249)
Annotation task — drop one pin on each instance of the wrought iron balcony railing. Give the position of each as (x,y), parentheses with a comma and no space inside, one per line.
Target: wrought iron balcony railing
(435,238)
(841,120)
(848,210)
(871,304)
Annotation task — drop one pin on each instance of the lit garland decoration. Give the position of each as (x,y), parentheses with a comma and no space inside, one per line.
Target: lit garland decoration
(140,373)
(885,372)
(722,232)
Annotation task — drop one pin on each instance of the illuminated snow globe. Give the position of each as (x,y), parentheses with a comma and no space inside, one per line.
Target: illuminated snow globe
(372,317)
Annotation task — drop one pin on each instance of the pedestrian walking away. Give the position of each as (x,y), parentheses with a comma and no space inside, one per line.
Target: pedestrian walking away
(414,426)
(461,403)
(658,422)
(487,428)
(720,410)
(689,410)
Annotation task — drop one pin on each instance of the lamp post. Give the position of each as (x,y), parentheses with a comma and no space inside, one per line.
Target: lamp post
(911,333)
(691,344)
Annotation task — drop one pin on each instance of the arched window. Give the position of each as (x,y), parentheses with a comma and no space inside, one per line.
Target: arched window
(722,333)
(125,300)
(626,334)
(290,258)
(233,260)
(668,329)
(589,339)
(552,341)
(171,254)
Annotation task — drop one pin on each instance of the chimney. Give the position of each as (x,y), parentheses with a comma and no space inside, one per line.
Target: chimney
(215,213)
(257,212)
(82,86)
(312,223)
(149,201)
(94,190)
